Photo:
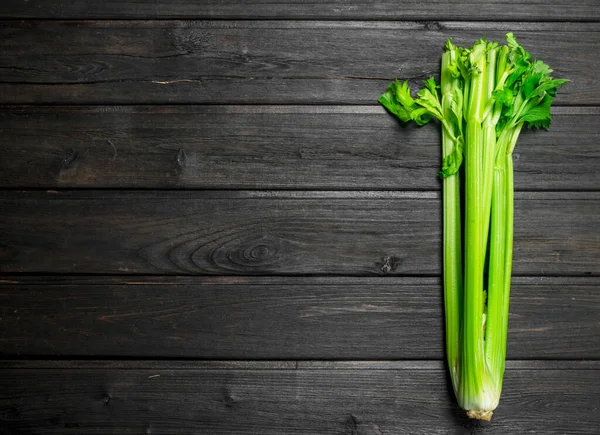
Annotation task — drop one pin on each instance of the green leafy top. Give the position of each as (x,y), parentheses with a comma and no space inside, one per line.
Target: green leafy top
(523,91)
(528,91)
(397,100)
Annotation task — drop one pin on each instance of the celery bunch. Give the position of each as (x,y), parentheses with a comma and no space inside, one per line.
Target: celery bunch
(487,93)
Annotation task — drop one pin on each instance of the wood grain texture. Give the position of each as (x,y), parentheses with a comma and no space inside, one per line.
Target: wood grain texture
(279,318)
(265,147)
(519,10)
(225,62)
(270,232)
(322,300)
(175,398)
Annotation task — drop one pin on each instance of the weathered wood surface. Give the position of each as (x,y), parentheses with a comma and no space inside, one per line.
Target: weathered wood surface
(286,398)
(278,318)
(270,232)
(224,62)
(519,10)
(265,147)
(119,275)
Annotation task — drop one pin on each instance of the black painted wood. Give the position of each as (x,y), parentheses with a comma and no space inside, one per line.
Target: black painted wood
(278,318)
(285,398)
(518,10)
(284,147)
(306,62)
(270,232)
(300,145)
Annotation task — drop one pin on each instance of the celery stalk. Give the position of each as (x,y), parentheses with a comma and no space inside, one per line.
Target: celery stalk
(472,374)
(489,139)
(452,256)
(488,93)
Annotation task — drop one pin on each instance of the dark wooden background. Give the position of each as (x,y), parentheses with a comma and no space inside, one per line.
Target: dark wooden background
(208,225)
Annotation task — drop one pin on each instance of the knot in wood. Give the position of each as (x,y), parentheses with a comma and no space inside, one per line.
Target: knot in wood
(433,25)
(259,252)
(388,264)
(69,158)
(252,253)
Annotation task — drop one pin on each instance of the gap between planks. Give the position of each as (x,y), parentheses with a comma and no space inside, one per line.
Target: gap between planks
(325,109)
(532,26)
(220,194)
(133,364)
(273,280)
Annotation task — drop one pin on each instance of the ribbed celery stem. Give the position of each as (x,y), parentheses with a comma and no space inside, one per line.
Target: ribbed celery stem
(453,279)
(500,261)
(508,250)
(489,142)
(473,382)
(495,341)
(497,313)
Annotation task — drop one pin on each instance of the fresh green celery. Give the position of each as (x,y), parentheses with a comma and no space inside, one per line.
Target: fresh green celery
(473,376)
(452,256)
(489,139)
(488,93)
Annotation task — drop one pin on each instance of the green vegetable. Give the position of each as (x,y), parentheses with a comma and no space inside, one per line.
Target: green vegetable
(488,93)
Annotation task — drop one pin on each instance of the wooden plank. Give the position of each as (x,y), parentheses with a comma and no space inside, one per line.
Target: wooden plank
(274,232)
(279,318)
(518,10)
(248,147)
(173,399)
(228,62)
